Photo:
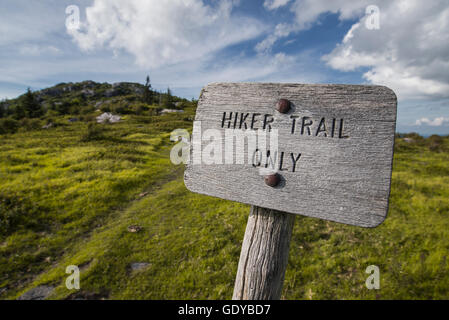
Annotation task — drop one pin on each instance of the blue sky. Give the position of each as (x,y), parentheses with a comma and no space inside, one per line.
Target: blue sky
(186,44)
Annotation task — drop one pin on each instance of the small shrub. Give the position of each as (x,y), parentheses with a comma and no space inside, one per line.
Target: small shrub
(76,102)
(139,109)
(88,118)
(94,132)
(8,126)
(436,143)
(121,109)
(87,110)
(105,108)
(62,108)
(17,212)
(74,110)
(30,124)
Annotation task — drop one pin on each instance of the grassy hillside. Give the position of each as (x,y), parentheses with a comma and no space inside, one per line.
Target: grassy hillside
(69,194)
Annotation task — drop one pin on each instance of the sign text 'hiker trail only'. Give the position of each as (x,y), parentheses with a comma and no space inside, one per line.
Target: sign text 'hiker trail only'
(321,151)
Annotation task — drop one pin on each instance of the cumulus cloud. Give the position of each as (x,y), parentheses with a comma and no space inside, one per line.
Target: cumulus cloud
(192,32)
(409,53)
(274,4)
(307,13)
(281,30)
(37,50)
(161,32)
(273,68)
(437,122)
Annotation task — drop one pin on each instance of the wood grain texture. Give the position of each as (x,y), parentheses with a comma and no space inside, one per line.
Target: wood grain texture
(264,255)
(345,180)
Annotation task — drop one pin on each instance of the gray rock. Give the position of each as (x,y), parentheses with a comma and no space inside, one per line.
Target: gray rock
(137,266)
(53,92)
(38,293)
(88,92)
(109,93)
(165,111)
(134,229)
(123,88)
(48,126)
(108,118)
(89,84)
(138,90)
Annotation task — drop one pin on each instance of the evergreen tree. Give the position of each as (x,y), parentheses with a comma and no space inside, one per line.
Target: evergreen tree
(63,107)
(30,105)
(147,93)
(168,101)
(2,109)
(19,112)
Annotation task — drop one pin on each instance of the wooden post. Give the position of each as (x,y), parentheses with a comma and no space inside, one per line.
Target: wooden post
(264,255)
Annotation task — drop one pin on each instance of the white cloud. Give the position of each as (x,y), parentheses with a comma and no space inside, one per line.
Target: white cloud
(273,68)
(195,37)
(307,13)
(37,50)
(281,30)
(274,4)
(161,32)
(409,53)
(437,122)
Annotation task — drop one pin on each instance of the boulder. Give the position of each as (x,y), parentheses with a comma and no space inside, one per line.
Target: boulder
(108,118)
(110,93)
(88,92)
(165,111)
(52,92)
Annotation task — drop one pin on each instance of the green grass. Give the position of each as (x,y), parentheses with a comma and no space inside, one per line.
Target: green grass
(68,200)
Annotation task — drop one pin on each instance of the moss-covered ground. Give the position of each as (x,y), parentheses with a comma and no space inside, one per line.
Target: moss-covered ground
(67,197)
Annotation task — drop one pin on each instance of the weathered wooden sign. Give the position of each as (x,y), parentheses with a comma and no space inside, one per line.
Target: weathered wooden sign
(327,151)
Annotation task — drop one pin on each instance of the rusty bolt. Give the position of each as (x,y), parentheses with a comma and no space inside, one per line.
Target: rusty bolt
(272,180)
(283,106)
